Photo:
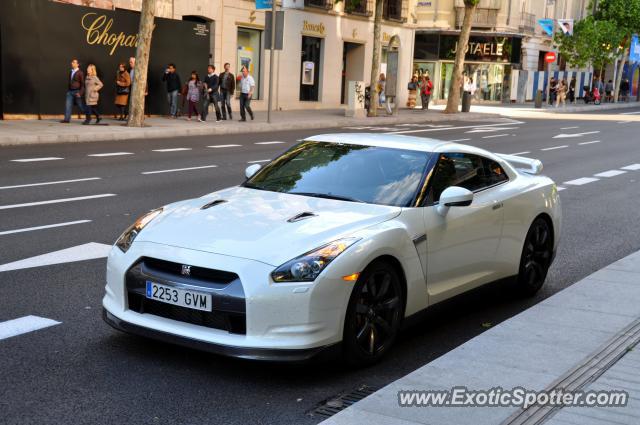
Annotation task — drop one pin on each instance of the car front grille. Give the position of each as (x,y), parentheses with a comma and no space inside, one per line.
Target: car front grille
(229,307)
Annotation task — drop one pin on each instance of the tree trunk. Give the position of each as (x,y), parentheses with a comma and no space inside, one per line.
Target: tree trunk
(139,83)
(375,62)
(620,72)
(454,89)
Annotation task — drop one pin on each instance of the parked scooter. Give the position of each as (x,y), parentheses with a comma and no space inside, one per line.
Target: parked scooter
(592,96)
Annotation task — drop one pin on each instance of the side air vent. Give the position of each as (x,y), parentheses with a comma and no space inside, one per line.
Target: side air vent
(301,216)
(212,204)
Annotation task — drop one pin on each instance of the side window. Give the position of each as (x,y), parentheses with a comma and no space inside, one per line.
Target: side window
(465,170)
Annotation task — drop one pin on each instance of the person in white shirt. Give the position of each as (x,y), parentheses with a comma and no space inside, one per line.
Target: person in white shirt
(247,85)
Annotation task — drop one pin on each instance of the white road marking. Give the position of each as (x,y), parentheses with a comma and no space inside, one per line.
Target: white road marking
(111,154)
(630,113)
(257,161)
(179,169)
(521,153)
(632,167)
(48,183)
(223,146)
(494,135)
(457,140)
(268,143)
(488,130)
(24,325)
(48,158)
(569,128)
(581,181)
(555,147)
(56,201)
(172,150)
(589,143)
(624,122)
(560,188)
(356,128)
(610,173)
(48,226)
(88,251)
(565,136)
(513,122)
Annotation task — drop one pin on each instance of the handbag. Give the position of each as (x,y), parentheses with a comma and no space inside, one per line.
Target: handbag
(412,86)
(122,90)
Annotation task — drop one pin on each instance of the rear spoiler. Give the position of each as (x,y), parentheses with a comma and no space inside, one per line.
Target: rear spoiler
(526,165)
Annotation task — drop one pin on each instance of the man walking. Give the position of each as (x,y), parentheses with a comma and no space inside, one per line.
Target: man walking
(212,87)
(173,87)
(75,91)
(247,85)
(227,87)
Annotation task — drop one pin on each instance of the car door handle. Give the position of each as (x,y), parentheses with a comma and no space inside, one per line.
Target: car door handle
(497,206)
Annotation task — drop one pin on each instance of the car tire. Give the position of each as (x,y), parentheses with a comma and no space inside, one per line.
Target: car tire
(374,314)
(536,257)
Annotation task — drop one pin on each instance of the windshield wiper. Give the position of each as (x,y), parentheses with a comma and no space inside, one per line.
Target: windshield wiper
(327,196)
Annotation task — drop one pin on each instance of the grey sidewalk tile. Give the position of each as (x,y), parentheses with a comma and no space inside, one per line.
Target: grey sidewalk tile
(617,275)
(612,415)
(356,416)
(582,419)
(628,263)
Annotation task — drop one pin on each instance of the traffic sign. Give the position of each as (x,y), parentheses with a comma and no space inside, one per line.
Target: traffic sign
(550,57)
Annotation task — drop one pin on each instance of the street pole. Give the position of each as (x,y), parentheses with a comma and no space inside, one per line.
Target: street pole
(271,59)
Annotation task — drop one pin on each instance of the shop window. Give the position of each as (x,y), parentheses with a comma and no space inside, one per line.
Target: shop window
(392,10)
(311,55)
(249,42)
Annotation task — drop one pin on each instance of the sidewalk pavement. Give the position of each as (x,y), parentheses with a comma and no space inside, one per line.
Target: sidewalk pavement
(582,338)
(17,132)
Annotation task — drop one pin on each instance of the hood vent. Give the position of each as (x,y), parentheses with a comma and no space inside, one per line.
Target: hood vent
(212,204)
(301,216)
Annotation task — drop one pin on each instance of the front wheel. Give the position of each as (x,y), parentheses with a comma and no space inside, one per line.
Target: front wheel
(373,315)
(536,257)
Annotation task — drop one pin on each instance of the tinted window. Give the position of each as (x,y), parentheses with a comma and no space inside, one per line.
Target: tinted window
(469,171)
(361,173)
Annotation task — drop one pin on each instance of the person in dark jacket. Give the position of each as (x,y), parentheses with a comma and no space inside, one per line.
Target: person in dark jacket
(212,93)
(227,87)
(75,91)
(123,88)
(173,88)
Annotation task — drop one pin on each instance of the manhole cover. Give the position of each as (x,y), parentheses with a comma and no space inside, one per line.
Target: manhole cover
(333,405)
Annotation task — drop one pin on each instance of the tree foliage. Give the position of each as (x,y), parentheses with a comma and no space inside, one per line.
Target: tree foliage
(594,42)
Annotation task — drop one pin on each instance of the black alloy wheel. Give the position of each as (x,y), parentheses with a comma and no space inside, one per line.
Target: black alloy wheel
(536,257)
(374,314)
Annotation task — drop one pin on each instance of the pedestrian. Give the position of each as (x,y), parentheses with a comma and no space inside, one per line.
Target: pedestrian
(194,90)
(553,91)
(92,86)
(413,87)
(123,88)
(561,93)
(172,79)
(382,96)
(247,86)
(75,91)
(572,90)
(227,87)
(212,93)
(624,89)
(608,90)
(425,92)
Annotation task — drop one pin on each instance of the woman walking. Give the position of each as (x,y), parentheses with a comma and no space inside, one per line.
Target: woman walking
(194,91)
(425,91)
(561,93)
(92,86)
(382,96)
(123,86)
(413,90)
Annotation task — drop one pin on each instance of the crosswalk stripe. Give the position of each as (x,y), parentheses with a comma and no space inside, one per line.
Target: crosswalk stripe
(56,201)
(24,325)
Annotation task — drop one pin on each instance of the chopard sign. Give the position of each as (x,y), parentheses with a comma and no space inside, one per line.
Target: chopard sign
(310,27)
(97,29)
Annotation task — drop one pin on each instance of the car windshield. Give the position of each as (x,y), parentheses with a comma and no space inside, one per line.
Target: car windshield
(347,172)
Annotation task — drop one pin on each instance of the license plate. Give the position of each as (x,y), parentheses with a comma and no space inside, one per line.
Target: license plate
(177,296)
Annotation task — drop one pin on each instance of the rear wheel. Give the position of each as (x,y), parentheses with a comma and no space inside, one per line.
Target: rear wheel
(536,257)
(373,315)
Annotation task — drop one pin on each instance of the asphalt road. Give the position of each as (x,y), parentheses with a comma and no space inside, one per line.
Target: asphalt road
(81,371)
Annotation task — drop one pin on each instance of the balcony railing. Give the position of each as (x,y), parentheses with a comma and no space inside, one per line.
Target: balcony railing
(363,8)
(322,4)
(482,18)
(527,23)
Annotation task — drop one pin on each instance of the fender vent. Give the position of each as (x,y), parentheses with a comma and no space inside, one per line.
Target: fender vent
(333,405)
(212,204)
(301,216)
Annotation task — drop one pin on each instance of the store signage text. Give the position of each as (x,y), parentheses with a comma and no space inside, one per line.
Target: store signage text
(310,27)
(482,49)
(97,28)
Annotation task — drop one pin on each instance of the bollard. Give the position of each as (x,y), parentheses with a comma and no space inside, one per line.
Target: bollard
(539,99)
(466,101)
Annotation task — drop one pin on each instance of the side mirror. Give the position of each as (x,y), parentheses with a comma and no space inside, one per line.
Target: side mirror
(251,170)
(454,196)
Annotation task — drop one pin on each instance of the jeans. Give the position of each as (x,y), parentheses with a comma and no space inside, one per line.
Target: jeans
(208,99)
(193,108)
(70,100)
(225,100)
(425,100)
(245,104)
(172,98)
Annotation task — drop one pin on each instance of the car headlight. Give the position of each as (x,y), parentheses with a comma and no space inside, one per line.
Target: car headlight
(308,266)
(128,236)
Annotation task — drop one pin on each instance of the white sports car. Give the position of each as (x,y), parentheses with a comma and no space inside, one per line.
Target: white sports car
(332,245)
